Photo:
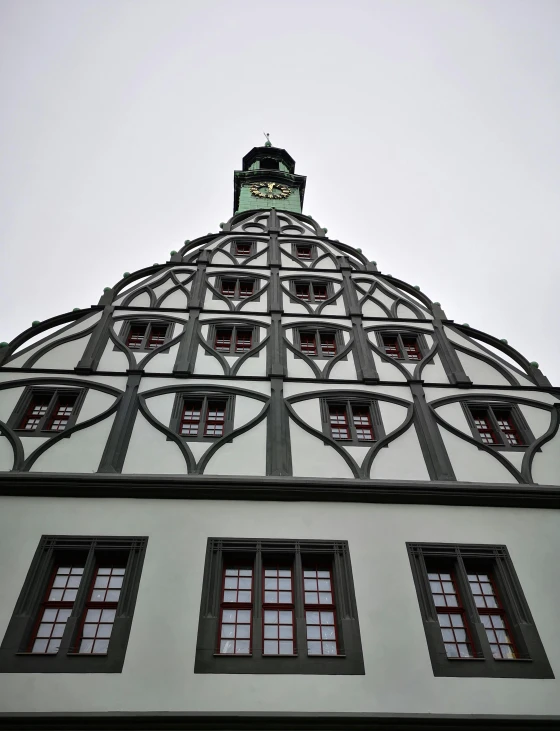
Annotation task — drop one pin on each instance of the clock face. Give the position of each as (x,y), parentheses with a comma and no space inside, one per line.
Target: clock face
(270,190)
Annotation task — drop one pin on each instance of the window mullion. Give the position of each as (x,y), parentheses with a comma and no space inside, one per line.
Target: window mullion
(350,419)
(478,633)
(48,413)
(496,427)
(69,637)
(400,341)
(257,644)
(147,336)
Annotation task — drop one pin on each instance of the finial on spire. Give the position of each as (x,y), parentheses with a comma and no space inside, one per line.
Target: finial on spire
(268,143)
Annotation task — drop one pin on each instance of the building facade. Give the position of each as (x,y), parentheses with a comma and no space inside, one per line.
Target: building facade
(265,483)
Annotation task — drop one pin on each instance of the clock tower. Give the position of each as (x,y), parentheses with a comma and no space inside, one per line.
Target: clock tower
(268,181)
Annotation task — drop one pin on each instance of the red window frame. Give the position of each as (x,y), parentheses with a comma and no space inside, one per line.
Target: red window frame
(190,419)
(54,612)
(303,251)
(361,417)
(214,423)
(230,609)
(100,610)
(320,291)
(308,343)
(320,612)
(452,618)
(136,335)
(483,424)
(222,341)
(243,249)
(243,340)
(302,291)
(157,336)
(36,410)
(338,420)
(507,426)
(278,606)
(494,618)
(328,344)
(246,288)
(228,287)
(391,345)
(61,412)
(411,347)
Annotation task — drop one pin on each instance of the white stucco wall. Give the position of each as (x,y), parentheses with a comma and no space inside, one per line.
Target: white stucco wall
(158,671)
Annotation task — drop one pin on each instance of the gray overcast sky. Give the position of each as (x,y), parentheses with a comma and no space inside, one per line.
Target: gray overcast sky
(428,130)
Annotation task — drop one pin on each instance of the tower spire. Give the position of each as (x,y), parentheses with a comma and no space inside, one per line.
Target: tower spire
(268,143)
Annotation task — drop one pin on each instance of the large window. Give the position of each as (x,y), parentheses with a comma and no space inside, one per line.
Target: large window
(75,609)
(498,425)
(46,411)
(232,339)
(312,291)
(402,345)
(476,619)
(237,288)
(277,606)
(352,421)
(202,417)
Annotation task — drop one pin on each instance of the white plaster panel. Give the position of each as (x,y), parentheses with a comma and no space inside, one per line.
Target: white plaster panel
(164,286)
(386,370)
(207,363)
(384,298)
(149,452)
(297,367)
(258,306)
(6,454)
(161,407)
(158,671)
(337,308)
(140,300)
(254,366)
(537,419)
(8,400)
(149,384)
(405,311)
(260,260)
(344,368)
(516,458)
(432,394)
(310,413)
(113,360)
(30,444)
(95,403)
(292,307)
(312,458)
(435,372)
(221,258)
(292,389)
(546,464)
(177,298)
(163,362)
(52,334)
(65,356)
(214,304)
(199,449)
(454,415)
(357,453)
(246,455)
(245,410)
(472,464)
(326,263)
(392,415)
(402,459)
(372,309)
(81,453)
(480,372)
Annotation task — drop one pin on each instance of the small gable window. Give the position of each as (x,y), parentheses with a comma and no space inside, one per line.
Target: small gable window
(234,339)
(145,336)
(244,248)
(202,417)
(237,288)
(403,346)
(319,343)
(304,251)
(500,426)
(43,412)
(352,421)
(312,291)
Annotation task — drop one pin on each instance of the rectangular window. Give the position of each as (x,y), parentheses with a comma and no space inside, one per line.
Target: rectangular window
(303,251)
(236,611)
(352,421)
(278,611)
(237,289)
(320,291)
(222,341)
(328,345)
(308,344)
(275,606)
(202,417)
(77,601)
(243,341)
(302,291)
(244,248)
(462,592)
(145,335)
(499,426)
(402,346)
(319,611)
(43,412)
(314,291)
